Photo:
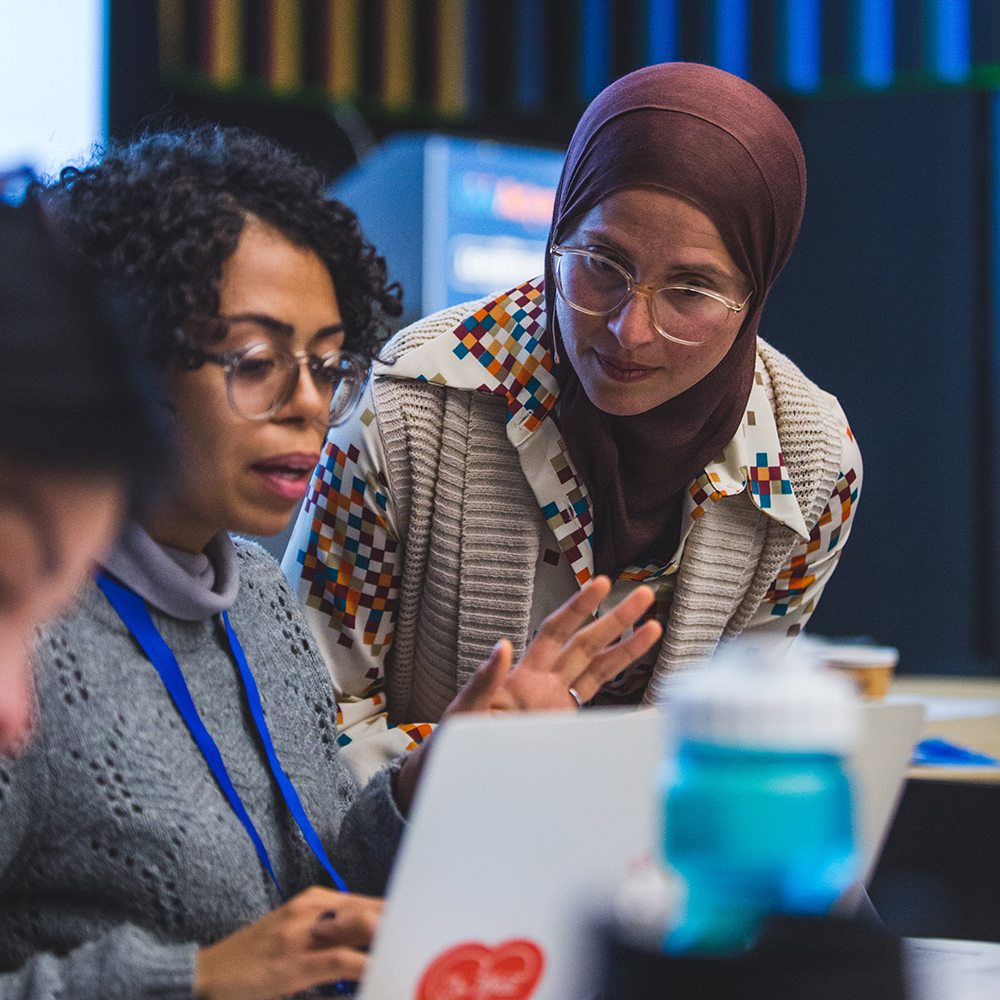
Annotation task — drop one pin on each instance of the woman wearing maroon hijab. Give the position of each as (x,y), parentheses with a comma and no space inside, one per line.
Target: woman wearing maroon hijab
(619,416)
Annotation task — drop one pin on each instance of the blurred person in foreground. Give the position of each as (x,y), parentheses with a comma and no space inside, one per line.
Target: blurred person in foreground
(180,824)
(76,437)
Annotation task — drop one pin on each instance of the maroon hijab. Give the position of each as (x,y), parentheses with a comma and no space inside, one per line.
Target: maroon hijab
(717,141)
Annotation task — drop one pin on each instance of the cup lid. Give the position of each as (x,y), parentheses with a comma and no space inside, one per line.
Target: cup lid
(857,655)
(761,696)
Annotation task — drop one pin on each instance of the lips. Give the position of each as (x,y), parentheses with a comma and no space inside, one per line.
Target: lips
(287,475)
(623,371)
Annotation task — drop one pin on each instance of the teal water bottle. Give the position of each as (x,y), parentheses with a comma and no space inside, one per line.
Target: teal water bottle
(758,805)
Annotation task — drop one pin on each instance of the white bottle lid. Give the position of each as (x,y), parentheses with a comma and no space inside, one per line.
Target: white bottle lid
(756,696)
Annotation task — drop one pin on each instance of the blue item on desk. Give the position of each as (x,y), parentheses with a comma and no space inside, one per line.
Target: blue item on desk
(758,802)
(754,832)
(938,751)
(342,988)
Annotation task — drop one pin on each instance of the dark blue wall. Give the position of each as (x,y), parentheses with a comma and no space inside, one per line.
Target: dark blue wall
(886,303)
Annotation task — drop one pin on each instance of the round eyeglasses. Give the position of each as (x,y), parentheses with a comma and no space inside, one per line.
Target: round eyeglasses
(593,284)
(261,377)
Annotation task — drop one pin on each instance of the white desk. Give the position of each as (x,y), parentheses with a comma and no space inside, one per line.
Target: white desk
(981,733)
(952,970)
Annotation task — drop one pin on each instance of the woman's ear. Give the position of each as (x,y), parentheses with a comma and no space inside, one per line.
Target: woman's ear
(21,559)
(29,547)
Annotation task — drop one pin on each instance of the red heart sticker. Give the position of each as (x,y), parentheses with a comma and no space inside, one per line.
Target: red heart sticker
(473,971)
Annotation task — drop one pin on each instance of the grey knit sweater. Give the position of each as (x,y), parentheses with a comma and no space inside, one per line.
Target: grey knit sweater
(119,854)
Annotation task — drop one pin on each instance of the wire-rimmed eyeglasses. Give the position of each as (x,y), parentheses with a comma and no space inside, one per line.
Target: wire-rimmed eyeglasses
(262,376)
(595,285)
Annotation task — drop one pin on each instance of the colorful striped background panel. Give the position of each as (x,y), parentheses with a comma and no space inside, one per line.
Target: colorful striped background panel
(457,58)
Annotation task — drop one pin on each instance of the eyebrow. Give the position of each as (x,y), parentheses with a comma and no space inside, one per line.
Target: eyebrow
(277,326)
(690,267)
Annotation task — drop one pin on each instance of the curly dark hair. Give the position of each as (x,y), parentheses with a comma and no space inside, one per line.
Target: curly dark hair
(157,218)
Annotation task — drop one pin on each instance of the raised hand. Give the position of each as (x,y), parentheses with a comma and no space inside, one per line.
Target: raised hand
(565,653)
(316,937)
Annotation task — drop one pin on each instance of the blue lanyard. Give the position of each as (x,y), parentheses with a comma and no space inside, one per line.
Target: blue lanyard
(133,612)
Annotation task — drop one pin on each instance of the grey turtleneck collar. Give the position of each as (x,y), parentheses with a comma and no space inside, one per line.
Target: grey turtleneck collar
(187,586)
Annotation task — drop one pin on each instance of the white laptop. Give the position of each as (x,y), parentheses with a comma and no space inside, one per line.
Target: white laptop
(523,829)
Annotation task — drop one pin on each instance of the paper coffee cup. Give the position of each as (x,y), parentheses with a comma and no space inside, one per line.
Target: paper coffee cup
(871,667)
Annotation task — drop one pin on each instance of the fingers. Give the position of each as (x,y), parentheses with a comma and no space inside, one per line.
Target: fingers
(561,625)
(593,656)
(477,694)
(338,934)
(350,925)
(569,650)
(330,965)
(589,641)
(612,661)
(491,674)
(314,938)
(582,647)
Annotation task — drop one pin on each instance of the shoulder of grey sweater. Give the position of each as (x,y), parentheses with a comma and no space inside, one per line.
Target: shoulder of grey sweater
(426,329)
(268,619)
(261,580)
(263,583)
(808,420)
(260,570)
(783,370)
(254,557)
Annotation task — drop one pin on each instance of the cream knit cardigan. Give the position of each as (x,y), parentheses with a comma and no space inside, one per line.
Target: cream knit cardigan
(471,527)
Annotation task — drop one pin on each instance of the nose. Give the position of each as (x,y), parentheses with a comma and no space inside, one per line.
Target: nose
(306,404)
(632,324)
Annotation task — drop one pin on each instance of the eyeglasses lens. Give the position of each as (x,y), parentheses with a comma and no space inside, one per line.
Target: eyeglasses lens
(688,313)
(343,376)
(594,286)
(264,377)
(259,381)
(589,283)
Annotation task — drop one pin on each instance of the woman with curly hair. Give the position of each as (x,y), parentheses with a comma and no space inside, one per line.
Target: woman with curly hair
(178,825)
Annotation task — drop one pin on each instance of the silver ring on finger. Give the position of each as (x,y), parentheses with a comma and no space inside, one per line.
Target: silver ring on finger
(576,697)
